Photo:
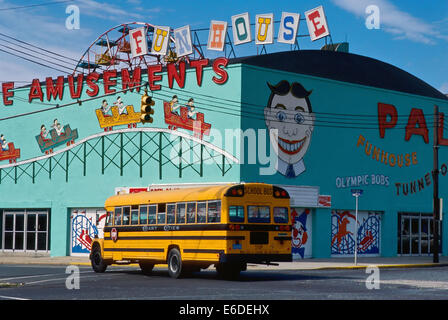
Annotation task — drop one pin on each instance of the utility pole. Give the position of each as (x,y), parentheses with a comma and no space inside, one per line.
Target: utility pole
(435,174)
(356,193)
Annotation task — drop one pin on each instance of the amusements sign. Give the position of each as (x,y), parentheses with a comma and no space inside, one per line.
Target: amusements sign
(264,34)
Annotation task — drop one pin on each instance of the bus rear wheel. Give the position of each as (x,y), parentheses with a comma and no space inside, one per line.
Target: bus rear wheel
(98,264)
(174,263)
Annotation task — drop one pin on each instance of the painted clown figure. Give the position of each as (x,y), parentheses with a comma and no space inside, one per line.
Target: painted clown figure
(289,112)
(299,232)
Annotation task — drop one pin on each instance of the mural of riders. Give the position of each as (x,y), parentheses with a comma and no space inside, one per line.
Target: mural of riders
(289,111)
(301,233)
(117,114)
(343,232)
(7,150)
(188,118)
(56,136)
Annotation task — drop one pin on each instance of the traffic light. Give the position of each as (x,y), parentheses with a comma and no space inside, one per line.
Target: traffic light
(146,110)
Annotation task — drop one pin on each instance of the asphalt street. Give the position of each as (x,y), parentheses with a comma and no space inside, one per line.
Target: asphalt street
(44,282)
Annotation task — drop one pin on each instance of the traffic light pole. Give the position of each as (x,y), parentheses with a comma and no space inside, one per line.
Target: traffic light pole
(435,174)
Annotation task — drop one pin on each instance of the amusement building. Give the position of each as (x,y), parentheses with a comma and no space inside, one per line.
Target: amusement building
(331,127)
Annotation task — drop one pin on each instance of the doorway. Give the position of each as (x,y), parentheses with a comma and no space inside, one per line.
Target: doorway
(416,234)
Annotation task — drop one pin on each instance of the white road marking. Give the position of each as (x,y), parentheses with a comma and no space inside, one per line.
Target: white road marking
(12,298)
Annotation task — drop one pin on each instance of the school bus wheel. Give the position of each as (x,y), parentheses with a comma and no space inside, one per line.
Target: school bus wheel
(146,267)
(98,264)
(174,263)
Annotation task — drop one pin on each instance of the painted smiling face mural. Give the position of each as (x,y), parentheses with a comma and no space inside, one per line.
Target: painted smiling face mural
(289,111)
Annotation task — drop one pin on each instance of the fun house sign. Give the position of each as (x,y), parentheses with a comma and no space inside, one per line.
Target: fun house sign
(241,28)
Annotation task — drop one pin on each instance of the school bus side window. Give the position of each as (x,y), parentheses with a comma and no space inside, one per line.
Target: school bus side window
(170,212)
(134,215)
(161,213)
(191,212)
(236,214)
(214,211)
(117,216)
(126,215)
(143,211)
(180,212)
(202,206)
(152,209)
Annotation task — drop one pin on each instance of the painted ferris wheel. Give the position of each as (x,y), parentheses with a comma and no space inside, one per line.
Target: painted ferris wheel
(112,51)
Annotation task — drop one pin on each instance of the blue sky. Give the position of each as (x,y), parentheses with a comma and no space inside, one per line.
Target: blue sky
(413,34)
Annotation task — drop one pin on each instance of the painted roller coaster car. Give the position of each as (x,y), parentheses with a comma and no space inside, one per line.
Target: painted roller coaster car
(11,154)
(68,137)
(116,119)
(174,121)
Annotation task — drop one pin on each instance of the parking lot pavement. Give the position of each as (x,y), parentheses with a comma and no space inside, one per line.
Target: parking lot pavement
(305,264)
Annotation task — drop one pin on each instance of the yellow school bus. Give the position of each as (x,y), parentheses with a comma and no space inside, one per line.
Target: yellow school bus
(190,229)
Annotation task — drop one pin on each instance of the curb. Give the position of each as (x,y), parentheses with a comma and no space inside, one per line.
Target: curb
(358,267)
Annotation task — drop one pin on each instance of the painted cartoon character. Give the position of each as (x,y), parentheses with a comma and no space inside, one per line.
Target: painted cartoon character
(57,127)
(173,105)
(121,107)
(191,107)
(44,133)
(105,108)
(289,112)
(3,143)
(299,232)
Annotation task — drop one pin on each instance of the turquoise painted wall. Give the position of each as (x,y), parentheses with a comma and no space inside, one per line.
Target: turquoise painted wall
(238,105)
(334,152)
(91,190)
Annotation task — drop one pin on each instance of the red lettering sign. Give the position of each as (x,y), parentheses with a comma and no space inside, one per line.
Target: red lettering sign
(35,91)
(52,91)
(7,93)
(416,125)
(385,110)
(108,82)
(173,74)
(75,94)
(218,65)
(199,66)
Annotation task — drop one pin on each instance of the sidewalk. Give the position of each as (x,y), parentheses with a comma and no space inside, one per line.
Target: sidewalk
(306,264)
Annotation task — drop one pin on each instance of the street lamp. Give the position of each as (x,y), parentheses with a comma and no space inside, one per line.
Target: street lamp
(356,193)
